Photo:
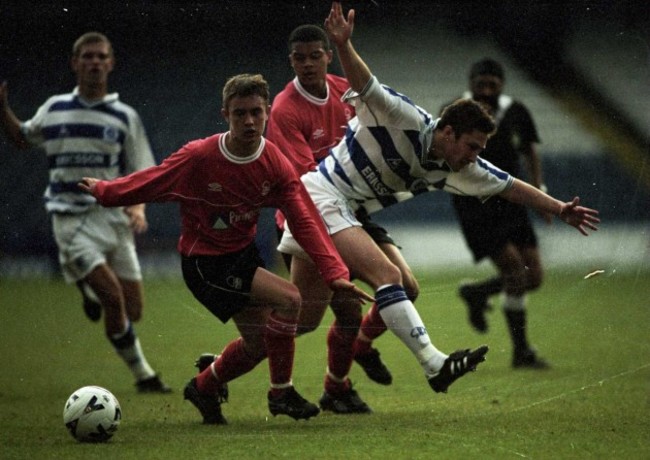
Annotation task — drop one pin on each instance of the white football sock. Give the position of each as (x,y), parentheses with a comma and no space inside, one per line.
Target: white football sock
(513,303)
(129,349)
(401,317)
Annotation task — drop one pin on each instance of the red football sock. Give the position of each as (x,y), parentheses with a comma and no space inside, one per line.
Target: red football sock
(335,387)
(232,363)
(372,326)
(340,342)
(361,347)
(280,348)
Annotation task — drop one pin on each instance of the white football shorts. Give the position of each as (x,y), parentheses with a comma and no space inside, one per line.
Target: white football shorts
(335,209)
(98,236)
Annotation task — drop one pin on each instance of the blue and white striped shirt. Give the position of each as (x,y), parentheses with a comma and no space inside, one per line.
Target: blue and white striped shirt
(383,158)
(103,139)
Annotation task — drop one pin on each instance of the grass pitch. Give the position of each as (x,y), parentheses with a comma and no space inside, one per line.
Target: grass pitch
(593,403)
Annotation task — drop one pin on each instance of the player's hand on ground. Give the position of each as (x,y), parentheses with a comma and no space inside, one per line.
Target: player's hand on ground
(579,217)
(337,26)
(137,218)
(88,185)
(351,290)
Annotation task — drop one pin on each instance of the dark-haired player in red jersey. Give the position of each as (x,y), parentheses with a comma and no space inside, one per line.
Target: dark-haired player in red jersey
(308,117)
(221,183)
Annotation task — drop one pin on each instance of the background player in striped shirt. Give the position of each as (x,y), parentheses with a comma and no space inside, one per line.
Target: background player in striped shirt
(91,132)
(393,146)
(221,183)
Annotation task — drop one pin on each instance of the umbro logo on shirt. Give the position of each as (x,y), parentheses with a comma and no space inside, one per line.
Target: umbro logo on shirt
(318,133)
(215,187)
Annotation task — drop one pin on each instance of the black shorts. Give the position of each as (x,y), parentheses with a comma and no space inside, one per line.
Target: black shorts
(222,283)
(378,233)
(489,226)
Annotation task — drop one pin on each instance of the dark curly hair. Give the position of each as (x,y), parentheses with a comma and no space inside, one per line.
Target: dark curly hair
(309,33)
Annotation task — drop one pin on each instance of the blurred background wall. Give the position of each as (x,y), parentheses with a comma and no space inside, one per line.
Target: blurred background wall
(583,69)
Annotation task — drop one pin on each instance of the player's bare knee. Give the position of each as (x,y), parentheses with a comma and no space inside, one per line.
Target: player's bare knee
(291,302)
(388,274)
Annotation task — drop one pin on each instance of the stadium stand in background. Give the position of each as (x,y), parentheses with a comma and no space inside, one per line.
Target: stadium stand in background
(583,73)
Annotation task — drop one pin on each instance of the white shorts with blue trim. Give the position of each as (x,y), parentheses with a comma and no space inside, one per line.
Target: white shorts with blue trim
(98,236)
(335,209)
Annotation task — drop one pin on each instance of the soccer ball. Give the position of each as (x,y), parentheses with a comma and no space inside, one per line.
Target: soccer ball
(92,414)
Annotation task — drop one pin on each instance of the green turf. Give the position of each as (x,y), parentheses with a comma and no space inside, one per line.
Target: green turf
(593,403)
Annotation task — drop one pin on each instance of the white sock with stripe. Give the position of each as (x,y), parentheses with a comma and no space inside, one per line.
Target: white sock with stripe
(401,317)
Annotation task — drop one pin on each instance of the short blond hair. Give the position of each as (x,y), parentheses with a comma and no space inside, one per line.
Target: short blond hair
(90,37)
(243,85)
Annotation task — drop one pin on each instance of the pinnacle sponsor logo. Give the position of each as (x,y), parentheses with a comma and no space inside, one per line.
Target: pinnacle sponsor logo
(243,216)
(224,222)
(219,224)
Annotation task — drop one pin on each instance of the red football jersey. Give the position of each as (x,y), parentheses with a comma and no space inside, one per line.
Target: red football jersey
(221,196)
(305,127)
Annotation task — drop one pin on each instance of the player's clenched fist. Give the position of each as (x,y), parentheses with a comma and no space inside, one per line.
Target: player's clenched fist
(88,185)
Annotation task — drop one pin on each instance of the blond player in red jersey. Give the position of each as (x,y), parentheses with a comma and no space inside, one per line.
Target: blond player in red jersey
(221,183)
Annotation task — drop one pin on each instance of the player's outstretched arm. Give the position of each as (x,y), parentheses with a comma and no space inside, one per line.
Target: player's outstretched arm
(137,218)
(339,28)
(577,216)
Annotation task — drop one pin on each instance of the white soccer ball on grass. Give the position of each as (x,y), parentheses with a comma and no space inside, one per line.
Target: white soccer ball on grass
(92,414)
